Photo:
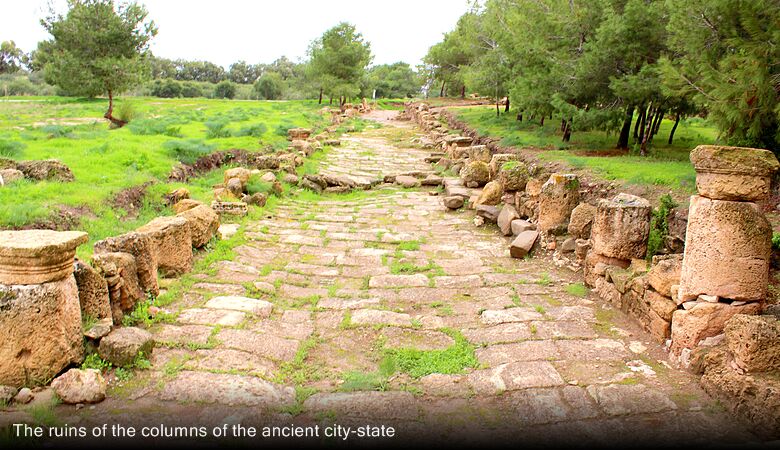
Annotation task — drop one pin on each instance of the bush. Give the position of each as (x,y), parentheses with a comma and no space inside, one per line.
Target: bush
(150,127)
(659,228)
(270,86)
(57,131)
(10,149)
(126,112)
(282,128)
(216,129)
(166,88)
(255,185)
(225,89)
(189,150)
(254,130)
(191,90)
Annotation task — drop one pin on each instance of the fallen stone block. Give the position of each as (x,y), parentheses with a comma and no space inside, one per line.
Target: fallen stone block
(523,244)
(621,227)
(172,241)
(203,222)
(80,386)
(123,345)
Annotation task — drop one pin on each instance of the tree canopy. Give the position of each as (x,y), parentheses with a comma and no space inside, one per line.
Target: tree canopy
(98,47)
(338,61)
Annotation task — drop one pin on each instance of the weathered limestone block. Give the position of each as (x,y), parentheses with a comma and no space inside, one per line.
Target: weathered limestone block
(80,386)
(480,153)
(733,173)
(523,244)
(303,146)
(665,273)
(497,161)
(121,273)
(122,345)
(661,304)
(37,256)
(203,222)
(513,175)
(141,247)
(298,133)
(93,292)
(453,201)
(727,251)
(8,176)
(621,227)
(581,220)
(596,266)
(488,212)
(40,331)
(557,199)
(172,240)
(755,342)
(475,173)
(703,320)
(235,187)
(491,194)
(240,173)
(177,195)
(236,208)
(507,215)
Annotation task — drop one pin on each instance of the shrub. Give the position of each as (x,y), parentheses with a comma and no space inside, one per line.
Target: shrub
(190,90)
(255,130)
(225,89)
(10,149)
(216,129)
(58,131)
(189,150)
(126,112)
(659,228)
(776,241)
(269,86)
(149,127)
(282,128)
(255,185)
(167,88)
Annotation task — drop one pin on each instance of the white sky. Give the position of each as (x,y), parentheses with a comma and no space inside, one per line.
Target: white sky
(225,31)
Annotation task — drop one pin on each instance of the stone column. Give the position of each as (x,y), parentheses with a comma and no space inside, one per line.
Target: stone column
(40,315)
(558,198)
(725,269)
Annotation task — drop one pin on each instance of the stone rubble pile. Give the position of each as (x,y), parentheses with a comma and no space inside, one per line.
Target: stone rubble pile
(37,170)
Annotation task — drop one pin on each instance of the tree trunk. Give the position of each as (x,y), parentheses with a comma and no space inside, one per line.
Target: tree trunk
(320,102)
(520,116)
(639,120)
(647,133)
(674,128)
(660,119)
(645,113)
(441,92)
(506,107)
(567,130)
(626,130)
(498,110)
(109,114)
(541,122)
(463,91)
(563,125)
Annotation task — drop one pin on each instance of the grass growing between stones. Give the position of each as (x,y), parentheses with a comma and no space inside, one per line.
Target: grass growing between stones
(418,363)
(577,290)
(107,162)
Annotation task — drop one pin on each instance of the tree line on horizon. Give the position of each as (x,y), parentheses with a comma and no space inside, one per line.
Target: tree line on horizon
(338,64)
(613,64)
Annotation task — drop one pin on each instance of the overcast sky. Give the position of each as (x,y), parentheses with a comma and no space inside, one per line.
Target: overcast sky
(225,31)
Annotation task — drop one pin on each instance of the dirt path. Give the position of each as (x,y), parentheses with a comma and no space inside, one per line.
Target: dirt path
(302,325)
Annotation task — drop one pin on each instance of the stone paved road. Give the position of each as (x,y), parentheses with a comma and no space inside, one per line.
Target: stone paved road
(300,321)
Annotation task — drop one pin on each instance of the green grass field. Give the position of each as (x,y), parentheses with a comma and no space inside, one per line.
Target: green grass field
(105,162)
(666,165)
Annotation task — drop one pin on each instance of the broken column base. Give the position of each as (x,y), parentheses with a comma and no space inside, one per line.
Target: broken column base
(40,331)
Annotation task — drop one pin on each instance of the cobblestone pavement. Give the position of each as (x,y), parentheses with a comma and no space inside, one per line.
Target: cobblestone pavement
(383,307)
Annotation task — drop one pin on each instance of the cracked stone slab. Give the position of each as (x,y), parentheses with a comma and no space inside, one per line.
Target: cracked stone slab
(269,346)
(385,281)
(255,306)
(514,376)
(380,317)
(495,355)
(590,350)
(182,335)
(227,389)
(502,333)
(373,405)
(231,360)
(199,316)
(347,303)
(622,399)
(499,316)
